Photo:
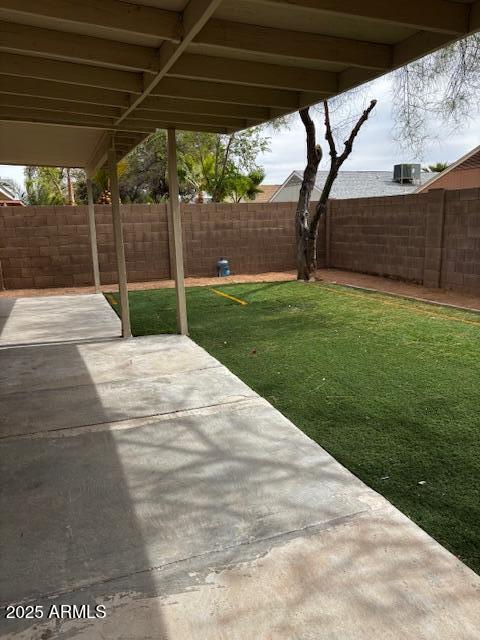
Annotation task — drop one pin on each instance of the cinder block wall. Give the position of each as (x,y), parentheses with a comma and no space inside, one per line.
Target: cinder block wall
(254,237)
(461,241)
(44,247)
(382,236)
(50,246)
(431,238)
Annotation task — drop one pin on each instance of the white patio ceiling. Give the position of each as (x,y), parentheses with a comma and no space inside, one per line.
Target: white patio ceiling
(75,72)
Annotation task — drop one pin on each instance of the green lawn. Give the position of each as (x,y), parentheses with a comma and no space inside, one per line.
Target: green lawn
(389,387)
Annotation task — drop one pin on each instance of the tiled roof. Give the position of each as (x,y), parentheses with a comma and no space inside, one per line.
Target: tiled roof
(6,193)
(267,191)
(365,184)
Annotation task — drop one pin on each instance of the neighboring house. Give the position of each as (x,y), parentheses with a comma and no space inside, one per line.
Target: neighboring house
(349,184)
(463,174)
(8,199)
(266,192)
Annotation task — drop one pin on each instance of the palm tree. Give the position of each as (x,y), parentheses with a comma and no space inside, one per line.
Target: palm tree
(44,186)
(197,174)
(438,167)
(246,187)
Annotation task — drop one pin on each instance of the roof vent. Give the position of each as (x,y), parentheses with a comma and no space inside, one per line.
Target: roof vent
(407,173)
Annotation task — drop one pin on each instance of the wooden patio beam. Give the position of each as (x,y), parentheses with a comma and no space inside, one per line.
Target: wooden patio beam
(170,94)
(220,92)
(194,17)
(418,46)
(70,73)
(180,124)
(49,104)
(112,15)
(427,15)
(62,91)
(23,114)
(124,143)
(151,118)
(413,48)
(202,67)
(296,44)
(207,107)
(474,17)
(99,155)
(107,124)
(71,47)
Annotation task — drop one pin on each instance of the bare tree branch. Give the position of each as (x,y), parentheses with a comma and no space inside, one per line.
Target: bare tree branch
(349,143)
(436,93)
(313,151)
(328,131)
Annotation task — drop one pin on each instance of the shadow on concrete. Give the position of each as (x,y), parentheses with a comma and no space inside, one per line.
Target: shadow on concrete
(49,319)
(69,519)
(223,522)
(6,308)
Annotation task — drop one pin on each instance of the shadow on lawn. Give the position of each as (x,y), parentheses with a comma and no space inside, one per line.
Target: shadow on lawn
(253,289)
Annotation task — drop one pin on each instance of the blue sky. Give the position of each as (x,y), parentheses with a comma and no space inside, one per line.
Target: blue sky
(375,148)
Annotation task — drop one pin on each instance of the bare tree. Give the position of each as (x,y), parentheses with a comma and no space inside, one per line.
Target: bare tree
(436,94)
(443,86)
(306,225)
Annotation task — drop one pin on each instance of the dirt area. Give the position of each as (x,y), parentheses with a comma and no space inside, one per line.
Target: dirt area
(397,287)
(280,276)
(335,276)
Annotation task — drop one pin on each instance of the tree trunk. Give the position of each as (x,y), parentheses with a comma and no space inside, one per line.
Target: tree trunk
(320,210)
(305,244)
(303,272)
(71,192)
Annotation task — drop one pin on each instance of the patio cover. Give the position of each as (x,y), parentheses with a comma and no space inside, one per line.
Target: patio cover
(75,72)
(83,82)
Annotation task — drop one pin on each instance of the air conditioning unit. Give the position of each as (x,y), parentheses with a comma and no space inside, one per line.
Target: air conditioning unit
(407,173)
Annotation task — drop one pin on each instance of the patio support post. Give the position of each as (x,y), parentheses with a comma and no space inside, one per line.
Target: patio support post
(119,246)
(93,236)
(176,226)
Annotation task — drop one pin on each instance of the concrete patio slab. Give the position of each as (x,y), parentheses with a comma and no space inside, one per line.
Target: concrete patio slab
(56,319)
(99,362)
(184,487)
(66,386)
(371,577)
(143,476)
